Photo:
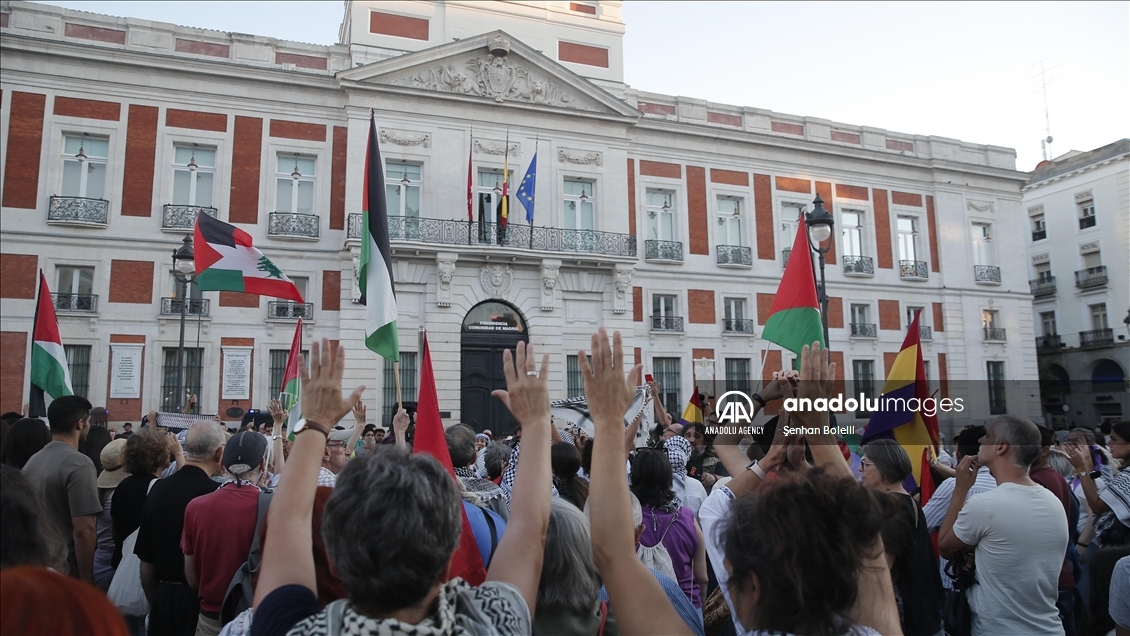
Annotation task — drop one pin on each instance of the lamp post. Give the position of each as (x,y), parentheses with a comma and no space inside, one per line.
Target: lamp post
(184,270)
(820,222)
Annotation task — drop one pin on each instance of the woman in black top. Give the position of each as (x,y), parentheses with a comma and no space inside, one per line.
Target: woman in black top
(147,456)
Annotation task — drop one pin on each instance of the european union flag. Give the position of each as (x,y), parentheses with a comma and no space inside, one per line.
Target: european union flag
(525,192)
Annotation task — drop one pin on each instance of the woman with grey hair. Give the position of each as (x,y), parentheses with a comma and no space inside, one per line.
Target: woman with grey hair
(568,593)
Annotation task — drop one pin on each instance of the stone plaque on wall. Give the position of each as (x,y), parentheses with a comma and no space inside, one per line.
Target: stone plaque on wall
(125,370)
(237,374)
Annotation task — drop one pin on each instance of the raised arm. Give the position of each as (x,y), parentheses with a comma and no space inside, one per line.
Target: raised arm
(632,590)
(1080,457)
(817,377)
(519,556)
(948,543)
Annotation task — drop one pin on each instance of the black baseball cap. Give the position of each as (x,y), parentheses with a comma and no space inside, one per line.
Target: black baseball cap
(244,451)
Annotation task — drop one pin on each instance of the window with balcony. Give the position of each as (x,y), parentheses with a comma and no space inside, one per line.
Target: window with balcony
(730,242)
(81,199)
(78,364)
(197,304)
(407,385)
(861,325)
(663,316)
(488,192)
(579,204)
(403,181)
(995,375)
(910,263)
(1047,323)
(1093,273)
(1098,316)
(661,243)
(668,377)
(863,383)
(984,267)
(1100,332)
(295,215)
(1086,213)
(738,375)
(1044,283)
(991,323)
(925,332)
(278,369)
(74,289)
(855,263)
(194,177)
(289,309)
(193,369)
(790,219)
(735,320)
(1039,227)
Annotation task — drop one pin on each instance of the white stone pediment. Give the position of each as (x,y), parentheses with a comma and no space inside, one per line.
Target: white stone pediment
(467,68)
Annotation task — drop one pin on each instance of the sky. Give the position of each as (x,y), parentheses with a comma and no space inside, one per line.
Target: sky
(968,71)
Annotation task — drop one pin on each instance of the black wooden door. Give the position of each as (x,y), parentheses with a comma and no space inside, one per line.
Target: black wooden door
(481,373)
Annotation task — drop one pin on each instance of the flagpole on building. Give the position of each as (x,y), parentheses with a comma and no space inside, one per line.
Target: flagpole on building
(537,138)
(470,187)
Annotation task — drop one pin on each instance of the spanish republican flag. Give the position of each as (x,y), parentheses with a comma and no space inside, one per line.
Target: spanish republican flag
(50,375)
(227,261)
(912,429)
(693,413)
(794,317)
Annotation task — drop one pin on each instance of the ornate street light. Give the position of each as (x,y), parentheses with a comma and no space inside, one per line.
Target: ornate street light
(820,223)
(192,160)
(184,270)
(81,155)
(296,175)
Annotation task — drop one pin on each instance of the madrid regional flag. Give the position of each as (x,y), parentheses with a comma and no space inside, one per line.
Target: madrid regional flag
(227,261)
(50,377)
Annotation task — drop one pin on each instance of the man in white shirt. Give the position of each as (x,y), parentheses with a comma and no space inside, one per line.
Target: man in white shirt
(1017,531)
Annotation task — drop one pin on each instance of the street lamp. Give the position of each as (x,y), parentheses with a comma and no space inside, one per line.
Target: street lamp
(184,270)
(820,222)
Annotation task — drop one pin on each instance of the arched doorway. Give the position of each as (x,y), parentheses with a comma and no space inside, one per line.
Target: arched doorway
(488,329)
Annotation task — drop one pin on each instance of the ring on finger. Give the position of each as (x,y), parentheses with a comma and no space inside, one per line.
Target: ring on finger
(532,374)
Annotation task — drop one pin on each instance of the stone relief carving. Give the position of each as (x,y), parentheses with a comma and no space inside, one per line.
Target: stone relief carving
(1036,209)
(981,206)
(402,138)
(1088,248)
(580,157)
(550,272)
(446,271)
(622,298)
(496,279)
(496,147)
(1084,196)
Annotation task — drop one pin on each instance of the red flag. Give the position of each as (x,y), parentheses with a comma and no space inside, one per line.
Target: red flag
(926,488)
(470,189)
(468,562)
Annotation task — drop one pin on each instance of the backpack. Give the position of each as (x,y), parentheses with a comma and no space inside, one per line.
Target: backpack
(656,556)
(241,592)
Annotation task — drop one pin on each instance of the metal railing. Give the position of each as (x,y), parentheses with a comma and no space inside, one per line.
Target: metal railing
(183,217)
(734,255)
(986,274)
(1039,236)
(785,258)
(293,225)
(913,269)
(663,251)
(288,310)
(1096,337)
(1042,286)
(667,323)
(75,302)
(994,333)
(863,330)
(737,325)
(1043,343)
(1086,222)
(195,307)
(925,332)
(1091,277)
(859,266)
(78,211)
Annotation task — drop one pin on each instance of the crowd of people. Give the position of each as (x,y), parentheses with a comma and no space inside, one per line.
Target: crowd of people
(338,527)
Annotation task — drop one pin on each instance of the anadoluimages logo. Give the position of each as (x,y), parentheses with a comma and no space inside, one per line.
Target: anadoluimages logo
(734,407)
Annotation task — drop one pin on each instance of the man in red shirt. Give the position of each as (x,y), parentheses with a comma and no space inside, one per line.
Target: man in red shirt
(219,528)
(1042,473)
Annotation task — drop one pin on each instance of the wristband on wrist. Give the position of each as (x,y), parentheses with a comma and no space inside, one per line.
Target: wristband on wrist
(757,470)
(757,398)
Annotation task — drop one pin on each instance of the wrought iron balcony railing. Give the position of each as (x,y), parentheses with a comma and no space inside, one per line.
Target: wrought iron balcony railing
(515,235)
(994,333)
(986,274)
(1086,222)
(78,211)
(925,332)
(913,269)
(289,225)
(183,217)
(1096,337)
(1039,236)
(863,330)
(1045,343)
(194,306)
(85,303)
(663,251)
(785,258)
(1042,286)
(289,310)
(735,255)
(667,323)
(859,266)
(1091,277)
(737,325)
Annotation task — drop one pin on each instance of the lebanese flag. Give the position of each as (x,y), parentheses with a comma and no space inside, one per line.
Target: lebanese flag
(50,376)
(794,317)
(227,261)
(289,393)
(468,561)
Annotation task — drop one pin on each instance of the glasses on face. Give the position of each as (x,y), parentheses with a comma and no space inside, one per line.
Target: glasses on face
(866,462)
(336,445)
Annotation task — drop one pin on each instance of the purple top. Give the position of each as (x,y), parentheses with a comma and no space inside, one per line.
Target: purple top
(681,542)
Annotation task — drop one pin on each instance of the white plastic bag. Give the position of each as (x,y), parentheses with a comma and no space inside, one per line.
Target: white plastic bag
(125,590)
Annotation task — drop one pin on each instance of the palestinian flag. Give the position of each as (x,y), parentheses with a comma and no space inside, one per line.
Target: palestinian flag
(289,394)
(375,274)
(227,261)
(50,377)
(794,318)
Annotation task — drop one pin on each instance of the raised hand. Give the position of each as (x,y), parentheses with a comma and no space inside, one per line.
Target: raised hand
(778,451)
(527,389)
(322,400)
(608,390)
(359,414)
(966,473)
(400,423)
(278,413)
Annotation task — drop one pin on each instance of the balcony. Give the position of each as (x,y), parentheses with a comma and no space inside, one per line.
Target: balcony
(1096,337)
(517,235)
(737,325)
(291,226)
(863,330)
(1042,286)
(289,310)
(1086,222)
(77,303)
(178,218)
(194,307)
(735,255)
(1049,343)
(925,332)
(987,274)
(994,334)
(785,258)
(78,211)
(913,270)
(858,266)
(1039,236)
(666,323)
(1090,277)
(663,251)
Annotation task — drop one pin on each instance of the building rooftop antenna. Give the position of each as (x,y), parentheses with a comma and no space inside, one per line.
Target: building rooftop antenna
(1045,143)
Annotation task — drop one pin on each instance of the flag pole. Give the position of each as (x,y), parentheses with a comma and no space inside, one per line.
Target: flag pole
(470,187)
(761,369)
(396,378)
(537,138)
(35,407)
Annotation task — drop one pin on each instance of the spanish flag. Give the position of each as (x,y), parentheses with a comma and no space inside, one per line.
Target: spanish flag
(911,428)
(693,413)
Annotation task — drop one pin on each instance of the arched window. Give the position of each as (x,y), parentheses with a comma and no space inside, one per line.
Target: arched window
(1107,376)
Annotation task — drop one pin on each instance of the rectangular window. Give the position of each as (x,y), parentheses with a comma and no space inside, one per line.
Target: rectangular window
(660,215)
(663,306)
(295,184)
(489,206)
(863,379)
(908,238)
(926,370)
(1039,227)
(78,363)
(860,314)
(1092,260)
(74,289)
(737,375)
(852,232)
(667,376)
(84,166)
(990,318)
(402,189)
(790,219)
(1044,272)
(194,175)
(193,289)
(193,367)
(579,201)
(995,372)
(911,312)
(407,385)
(1098,316)
(278,368)
(1086,214)
(575,383)
(1047,321)
(729,211)
(982,244)
(735,308)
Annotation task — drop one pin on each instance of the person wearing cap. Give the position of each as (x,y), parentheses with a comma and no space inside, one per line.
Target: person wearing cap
(219,528)
(335,455)
(113,459)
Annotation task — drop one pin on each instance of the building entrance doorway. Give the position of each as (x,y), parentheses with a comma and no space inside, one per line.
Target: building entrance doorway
(488,329)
